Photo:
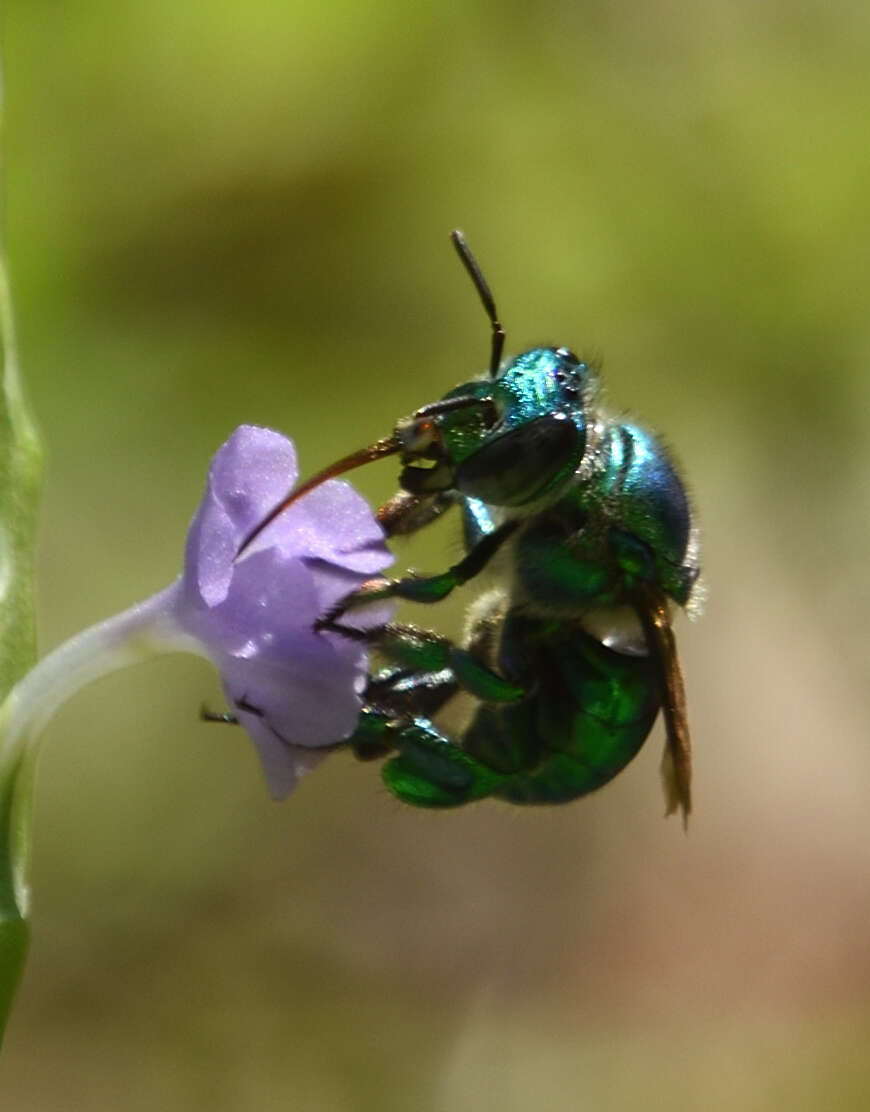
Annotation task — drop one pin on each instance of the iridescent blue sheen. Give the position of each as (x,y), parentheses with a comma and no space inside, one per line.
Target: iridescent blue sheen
(649,502)
(539,382)
(594,518)
(477,521)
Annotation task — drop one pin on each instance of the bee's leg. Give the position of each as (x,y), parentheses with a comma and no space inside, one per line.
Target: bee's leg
(405,513)
(373,736)
(405,693)
(430,770)
(421,652)
(469,665)
(426,589)
(227,717)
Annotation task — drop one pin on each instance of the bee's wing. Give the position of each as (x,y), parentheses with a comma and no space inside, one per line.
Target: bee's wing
(677,760)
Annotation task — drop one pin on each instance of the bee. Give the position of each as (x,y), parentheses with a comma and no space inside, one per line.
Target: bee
(569,661)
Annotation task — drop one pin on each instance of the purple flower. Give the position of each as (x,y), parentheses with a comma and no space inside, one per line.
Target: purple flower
(296,691)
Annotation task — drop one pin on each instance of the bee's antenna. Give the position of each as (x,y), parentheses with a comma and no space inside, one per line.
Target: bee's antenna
(483,290)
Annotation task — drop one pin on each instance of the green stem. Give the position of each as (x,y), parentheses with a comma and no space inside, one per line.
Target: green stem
(20,482)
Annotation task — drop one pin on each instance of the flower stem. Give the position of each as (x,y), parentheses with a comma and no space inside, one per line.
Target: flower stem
(145,630)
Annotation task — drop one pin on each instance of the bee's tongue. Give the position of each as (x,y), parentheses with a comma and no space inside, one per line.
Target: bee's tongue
(386,447)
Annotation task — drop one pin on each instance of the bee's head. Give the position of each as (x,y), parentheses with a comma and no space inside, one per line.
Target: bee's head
(506,440)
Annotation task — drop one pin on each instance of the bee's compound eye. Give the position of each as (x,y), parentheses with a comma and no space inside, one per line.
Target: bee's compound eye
(517,466)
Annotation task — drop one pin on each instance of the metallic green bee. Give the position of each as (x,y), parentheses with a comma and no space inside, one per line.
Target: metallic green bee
(570,660)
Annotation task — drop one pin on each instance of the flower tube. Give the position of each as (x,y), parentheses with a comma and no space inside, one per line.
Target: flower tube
(296,690)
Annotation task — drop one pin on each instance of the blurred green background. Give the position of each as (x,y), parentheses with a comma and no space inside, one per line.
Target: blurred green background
(221,213)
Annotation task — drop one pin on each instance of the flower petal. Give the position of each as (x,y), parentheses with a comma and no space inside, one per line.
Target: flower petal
(249,474)
(296,690)
(353,539)
(283,765)
(270,604)
(333,584)
(307,699)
